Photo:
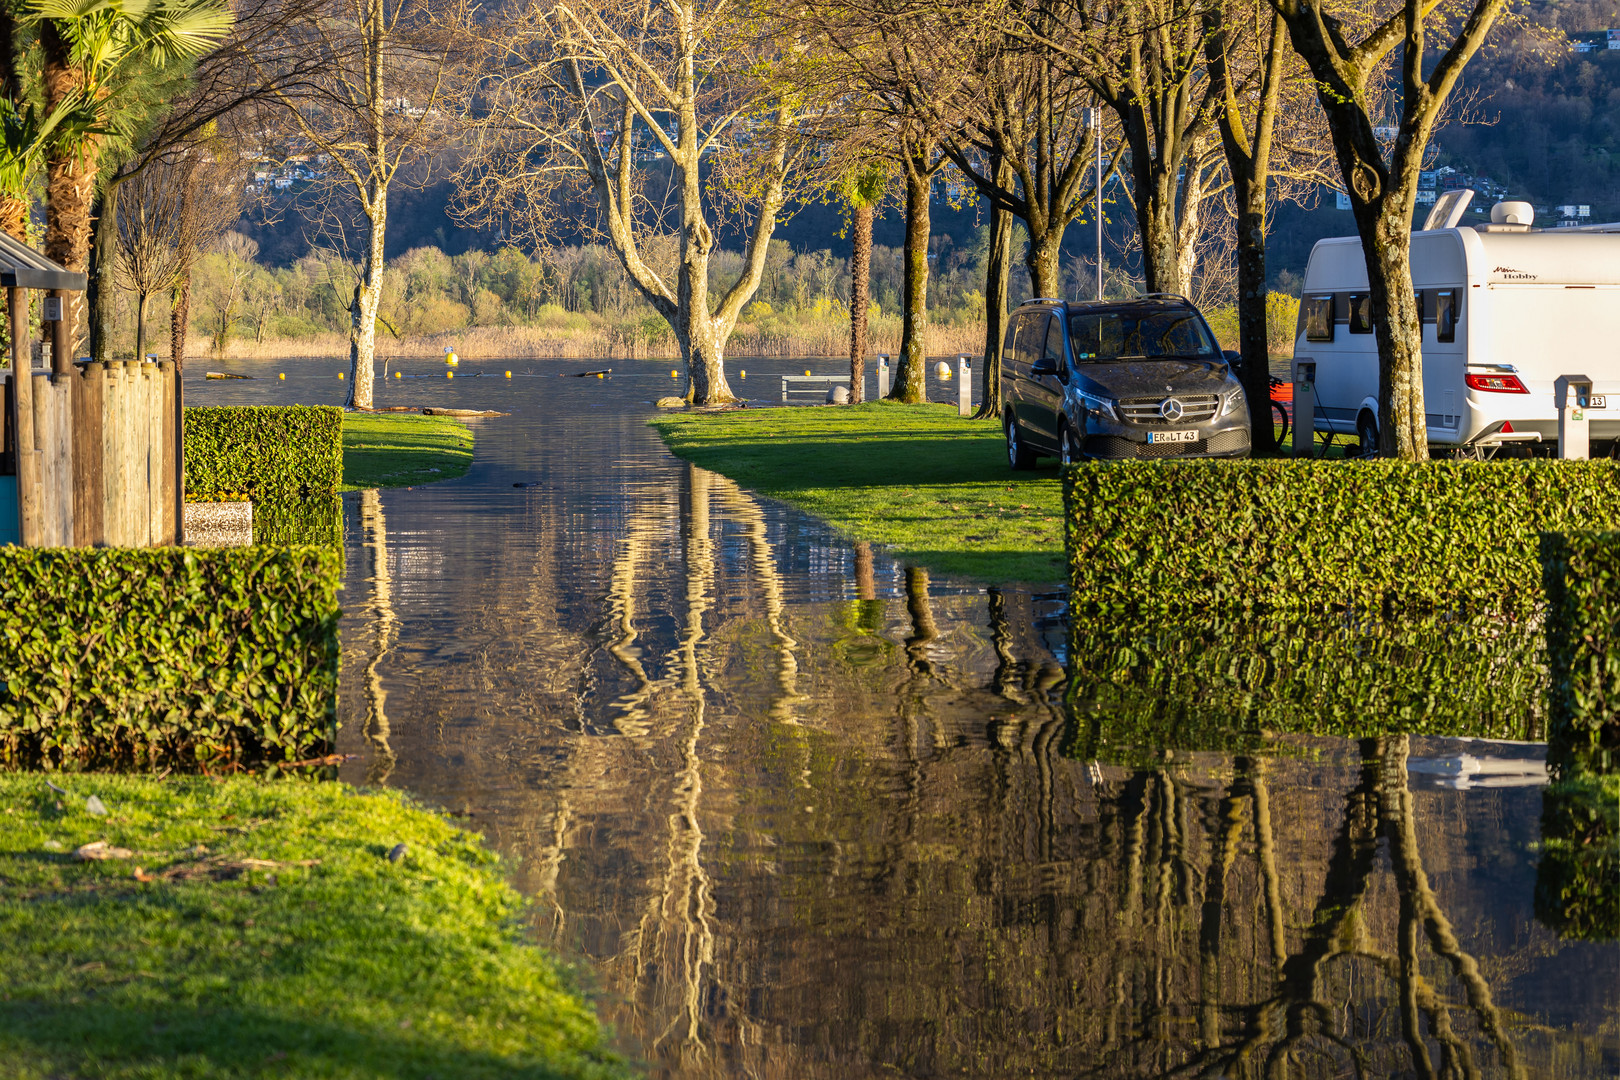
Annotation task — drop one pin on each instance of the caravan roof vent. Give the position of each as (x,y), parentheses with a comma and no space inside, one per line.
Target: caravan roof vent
(1513,213)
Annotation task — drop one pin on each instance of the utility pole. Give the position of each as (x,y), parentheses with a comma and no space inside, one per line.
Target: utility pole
(1094,118)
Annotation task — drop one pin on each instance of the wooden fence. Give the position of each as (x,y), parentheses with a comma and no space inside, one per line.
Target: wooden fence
(98,465)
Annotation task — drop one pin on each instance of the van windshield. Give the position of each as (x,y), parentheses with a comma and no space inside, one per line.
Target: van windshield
(1132,335)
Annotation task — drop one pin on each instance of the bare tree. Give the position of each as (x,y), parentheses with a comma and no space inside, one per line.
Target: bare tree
(368,110)
(655,119)
(1344,49)
(1271,133)
(179,204)
(222,298)
(1144,61)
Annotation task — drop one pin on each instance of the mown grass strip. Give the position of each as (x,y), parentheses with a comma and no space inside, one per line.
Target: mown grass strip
(259,928)
(398,450)
(933,488)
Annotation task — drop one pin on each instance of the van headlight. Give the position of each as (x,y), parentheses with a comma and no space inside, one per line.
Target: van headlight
(1105,406)
(1233,399)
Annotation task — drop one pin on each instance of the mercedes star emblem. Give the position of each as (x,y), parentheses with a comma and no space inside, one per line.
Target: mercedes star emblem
(1171,409)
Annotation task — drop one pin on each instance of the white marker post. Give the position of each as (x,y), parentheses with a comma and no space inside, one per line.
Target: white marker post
(1573,396)
(883,375)
(964,385)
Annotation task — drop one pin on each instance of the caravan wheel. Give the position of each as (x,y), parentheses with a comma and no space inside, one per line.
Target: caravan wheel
(1367,433)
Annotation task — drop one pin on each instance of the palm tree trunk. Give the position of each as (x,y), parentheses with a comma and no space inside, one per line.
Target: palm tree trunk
(70,174)
(103,288)
(860,274)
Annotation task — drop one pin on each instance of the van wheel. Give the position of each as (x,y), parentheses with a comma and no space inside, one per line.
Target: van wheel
(1068,453)
(1367,432)
(1019,456)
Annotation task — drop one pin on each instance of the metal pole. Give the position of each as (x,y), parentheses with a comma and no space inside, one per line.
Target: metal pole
(1097,135)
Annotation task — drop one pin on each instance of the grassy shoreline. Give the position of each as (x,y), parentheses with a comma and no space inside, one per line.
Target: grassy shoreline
(402,450)
(931,487)
(262,928)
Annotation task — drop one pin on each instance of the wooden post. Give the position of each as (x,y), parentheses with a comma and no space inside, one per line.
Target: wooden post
(152,452)
(23,402)
(178,429)
(112,520)
(129,440)
(169,486)
(61,334)
(89,398)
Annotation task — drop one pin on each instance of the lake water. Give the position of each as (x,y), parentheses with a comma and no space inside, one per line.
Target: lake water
(799,811)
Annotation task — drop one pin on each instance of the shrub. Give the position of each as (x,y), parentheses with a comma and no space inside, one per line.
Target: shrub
(316,520)
(264,450)
(1582,576)
(1138,687)
(1284,535)
(193,657)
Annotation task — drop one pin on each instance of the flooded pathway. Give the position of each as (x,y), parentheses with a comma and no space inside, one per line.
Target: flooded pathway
(799,811)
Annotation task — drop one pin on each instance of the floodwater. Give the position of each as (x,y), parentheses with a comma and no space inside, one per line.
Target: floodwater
(798,811)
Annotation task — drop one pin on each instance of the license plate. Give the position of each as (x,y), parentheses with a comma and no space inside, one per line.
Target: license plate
(1172,436)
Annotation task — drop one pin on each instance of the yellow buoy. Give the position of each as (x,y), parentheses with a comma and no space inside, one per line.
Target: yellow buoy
(942,369)
(449,374)
(674,374)
(340,376)
(508,374)
(807,371)
(743,374)
(397,375)
(282,376)
(599,375)
(449,357)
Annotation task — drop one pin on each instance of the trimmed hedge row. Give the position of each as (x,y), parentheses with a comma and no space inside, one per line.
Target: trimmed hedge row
(1581,572)
(264,450)
(1576,878)
(315,520)
(1283,535)
(1139,687)
(199,658)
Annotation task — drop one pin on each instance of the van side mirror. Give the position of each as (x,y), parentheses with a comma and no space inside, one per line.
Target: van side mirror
(1234,359)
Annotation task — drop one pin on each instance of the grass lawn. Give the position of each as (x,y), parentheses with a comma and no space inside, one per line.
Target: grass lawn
(933,488)
(398,449)
(259,928)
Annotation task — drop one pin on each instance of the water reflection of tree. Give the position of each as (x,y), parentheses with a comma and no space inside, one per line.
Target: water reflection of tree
(384,625)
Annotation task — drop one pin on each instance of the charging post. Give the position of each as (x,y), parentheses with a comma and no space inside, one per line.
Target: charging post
(964,385)
(1573,396)
(1304,408)
(883,375)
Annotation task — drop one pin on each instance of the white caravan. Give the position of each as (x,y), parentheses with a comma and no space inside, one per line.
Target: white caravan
(1507,310)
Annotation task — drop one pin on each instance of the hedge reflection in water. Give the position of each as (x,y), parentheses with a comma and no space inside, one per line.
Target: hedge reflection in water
(807,836)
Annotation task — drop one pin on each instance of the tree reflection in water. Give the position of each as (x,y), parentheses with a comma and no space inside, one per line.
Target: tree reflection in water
(810,814)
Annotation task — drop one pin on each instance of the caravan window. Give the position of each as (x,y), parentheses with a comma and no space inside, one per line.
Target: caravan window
(1445,314)
(1360,313)
(1319,317)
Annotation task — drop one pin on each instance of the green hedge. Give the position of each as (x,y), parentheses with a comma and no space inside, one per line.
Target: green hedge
(196,658)
(315,520)
(264,450)
(1582,577)
(1281,535)
(1578,875)
(1140,686)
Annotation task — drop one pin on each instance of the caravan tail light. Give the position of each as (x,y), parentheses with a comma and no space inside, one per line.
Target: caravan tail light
(1496,384)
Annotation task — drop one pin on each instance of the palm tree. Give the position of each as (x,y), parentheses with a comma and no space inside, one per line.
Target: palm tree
(94,51)
(862,189)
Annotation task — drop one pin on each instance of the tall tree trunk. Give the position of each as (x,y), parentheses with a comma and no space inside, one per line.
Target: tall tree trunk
(1043,258)
(70,174)
(1254,338)
(363,307)
(998,268)
(911,373)
(860,273)
(1190,202)
(180,320)
(103,285)
(1161,254)
(1398,325)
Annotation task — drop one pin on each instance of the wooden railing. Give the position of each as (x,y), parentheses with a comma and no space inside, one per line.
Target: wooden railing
(98,462)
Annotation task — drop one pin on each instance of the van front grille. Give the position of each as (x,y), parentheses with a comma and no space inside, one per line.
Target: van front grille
(1195,409)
